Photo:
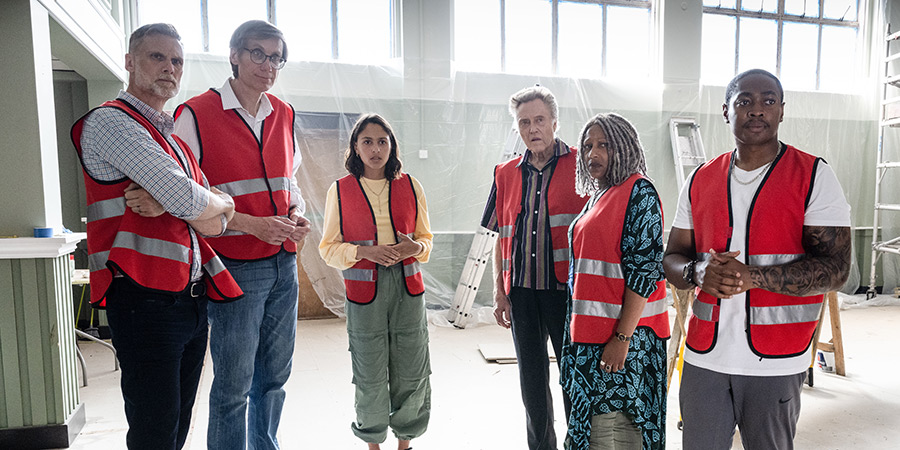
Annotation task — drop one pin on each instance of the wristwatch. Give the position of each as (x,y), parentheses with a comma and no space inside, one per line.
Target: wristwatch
(688,274)
(621,337)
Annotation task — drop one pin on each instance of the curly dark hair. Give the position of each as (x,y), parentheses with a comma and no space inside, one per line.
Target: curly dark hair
(352,161)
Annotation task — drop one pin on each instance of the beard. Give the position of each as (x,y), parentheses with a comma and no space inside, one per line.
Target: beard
(158,88)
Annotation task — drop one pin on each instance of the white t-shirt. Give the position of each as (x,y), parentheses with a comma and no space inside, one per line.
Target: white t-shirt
(732,355)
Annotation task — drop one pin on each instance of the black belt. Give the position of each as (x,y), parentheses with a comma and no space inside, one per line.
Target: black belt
(195,289)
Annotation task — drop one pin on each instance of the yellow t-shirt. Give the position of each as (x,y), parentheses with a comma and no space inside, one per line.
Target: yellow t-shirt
(342,255)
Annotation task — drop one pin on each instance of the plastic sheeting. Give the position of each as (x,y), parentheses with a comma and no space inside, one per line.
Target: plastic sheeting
(452,128)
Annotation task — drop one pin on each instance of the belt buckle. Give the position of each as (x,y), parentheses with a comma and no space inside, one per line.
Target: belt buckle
(197,289)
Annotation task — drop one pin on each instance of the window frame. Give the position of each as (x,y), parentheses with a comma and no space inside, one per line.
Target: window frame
(780,17)
(649,5)
(272,17)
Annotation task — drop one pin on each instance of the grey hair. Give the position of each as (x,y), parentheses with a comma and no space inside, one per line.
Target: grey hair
(151,29)
(536,92)
(626,154)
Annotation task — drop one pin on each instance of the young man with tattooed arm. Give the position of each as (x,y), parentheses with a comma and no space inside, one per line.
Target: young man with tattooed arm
(764,231)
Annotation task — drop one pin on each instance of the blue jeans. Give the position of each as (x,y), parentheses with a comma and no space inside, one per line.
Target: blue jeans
(160,340)
(252,345)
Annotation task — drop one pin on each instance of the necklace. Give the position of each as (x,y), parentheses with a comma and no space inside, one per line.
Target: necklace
(376,192)
(763,169)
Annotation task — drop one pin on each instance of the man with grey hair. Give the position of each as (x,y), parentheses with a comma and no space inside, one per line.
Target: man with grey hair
(244,139)
(531,205)
(148,205)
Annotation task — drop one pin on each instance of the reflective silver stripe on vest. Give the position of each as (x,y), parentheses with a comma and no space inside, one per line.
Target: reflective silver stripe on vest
(561,254)
(703,311)
(152,247)
(655,307)
(506,231)
(614,311)
(106,209)
(703,256)
(231,233)
(214,267)
(359,274)
(97,261)
(597,267)
(411,269)
(362,242)
(774,315)
(254,185)
(562,220)
(504,265)
(772,260)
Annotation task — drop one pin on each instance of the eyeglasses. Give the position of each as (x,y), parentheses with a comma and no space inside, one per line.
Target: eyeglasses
(258,57)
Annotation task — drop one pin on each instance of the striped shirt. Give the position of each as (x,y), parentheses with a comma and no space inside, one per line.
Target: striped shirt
(115,146)
(532,249)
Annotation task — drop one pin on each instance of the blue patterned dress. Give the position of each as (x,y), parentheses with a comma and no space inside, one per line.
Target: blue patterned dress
(640,389)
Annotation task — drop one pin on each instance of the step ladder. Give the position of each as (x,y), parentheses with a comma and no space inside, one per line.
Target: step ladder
(687,147)
(479,256)
(889,117)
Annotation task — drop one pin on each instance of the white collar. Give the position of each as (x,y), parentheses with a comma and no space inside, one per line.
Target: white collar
(230,101)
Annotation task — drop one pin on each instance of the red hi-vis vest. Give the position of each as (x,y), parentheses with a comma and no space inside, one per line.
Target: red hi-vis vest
(359,228)
(779,326)
(153,252)
(563,205)
(255,173)
(599,281)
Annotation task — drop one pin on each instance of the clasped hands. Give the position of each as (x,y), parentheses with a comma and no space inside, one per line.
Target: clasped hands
(274,230)
(388,255)
(722,275)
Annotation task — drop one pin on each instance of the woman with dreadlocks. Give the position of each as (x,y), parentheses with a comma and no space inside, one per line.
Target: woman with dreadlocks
(614,356)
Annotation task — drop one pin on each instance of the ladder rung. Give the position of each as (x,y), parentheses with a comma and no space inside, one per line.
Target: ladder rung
(887,206)
(891,100)
(892,80)
(893,36)
(889,165)
(891,58)
(895,248)
(893,122)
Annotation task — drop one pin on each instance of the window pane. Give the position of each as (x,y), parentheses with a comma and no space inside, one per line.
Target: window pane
(840,9)
(798,56)
(307,29)
(225,16)
(185,16)
(717,49)
(730,4)
(580,45)
(627,35)
(528,36)
(796,7)
(757,44)
(760,5)
(838,59)
(477,35)
(364,30)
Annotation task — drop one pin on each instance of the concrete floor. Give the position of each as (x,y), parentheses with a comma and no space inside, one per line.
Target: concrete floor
(476,405)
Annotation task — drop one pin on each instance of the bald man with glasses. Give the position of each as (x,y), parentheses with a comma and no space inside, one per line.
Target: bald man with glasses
(244,139)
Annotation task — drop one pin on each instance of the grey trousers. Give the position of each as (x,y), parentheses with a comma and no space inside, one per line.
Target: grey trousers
(765,409)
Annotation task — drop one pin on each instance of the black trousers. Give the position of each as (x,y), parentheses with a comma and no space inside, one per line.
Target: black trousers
(537,315)
(160,340)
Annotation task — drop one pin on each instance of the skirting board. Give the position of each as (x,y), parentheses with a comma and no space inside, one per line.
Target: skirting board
(44,436)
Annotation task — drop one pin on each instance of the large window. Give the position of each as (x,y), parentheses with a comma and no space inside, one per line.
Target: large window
(808,44)
(577,38)
(348,30)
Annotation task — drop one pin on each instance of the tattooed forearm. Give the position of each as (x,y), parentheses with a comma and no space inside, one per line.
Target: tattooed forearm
(824,268)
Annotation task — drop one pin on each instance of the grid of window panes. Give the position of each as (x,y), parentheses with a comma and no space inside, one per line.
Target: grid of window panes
(359,31)
(809,44)
(576,38)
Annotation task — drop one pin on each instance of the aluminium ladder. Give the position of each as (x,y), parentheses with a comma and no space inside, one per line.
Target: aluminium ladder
(687,147)
(889,116)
